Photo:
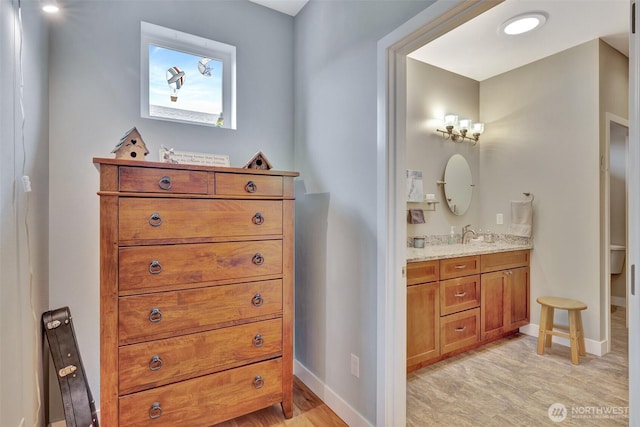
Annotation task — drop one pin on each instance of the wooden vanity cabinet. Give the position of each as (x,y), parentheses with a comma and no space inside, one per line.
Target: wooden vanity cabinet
(456,304)
(423,314)
(505,293)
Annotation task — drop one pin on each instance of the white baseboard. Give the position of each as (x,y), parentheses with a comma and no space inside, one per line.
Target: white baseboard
(348,414)
(597,348)
(618,301)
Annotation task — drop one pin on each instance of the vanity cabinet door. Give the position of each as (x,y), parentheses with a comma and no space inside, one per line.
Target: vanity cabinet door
(423,329)
(493,292)
(518,298)
(505,301)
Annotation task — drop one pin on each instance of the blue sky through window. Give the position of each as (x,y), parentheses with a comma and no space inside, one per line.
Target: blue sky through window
(199,92)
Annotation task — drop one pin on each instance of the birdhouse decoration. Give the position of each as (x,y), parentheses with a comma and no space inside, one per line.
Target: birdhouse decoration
(131,146)
(258,161)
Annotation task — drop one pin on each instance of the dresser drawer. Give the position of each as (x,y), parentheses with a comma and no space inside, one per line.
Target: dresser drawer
(158,180)
(156,267)
(155,363)
(150,219)
(460,330)
(458,267)
(459,294)
(422,272)
(163,314)
(206,400)
(504,260)
(239,184)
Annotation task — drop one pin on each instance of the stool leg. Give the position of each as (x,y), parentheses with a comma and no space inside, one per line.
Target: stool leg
(549,326)
(581,347)
(542,331)
(573,334)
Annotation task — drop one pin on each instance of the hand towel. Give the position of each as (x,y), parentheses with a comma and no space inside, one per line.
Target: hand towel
(521,218)
(415,216)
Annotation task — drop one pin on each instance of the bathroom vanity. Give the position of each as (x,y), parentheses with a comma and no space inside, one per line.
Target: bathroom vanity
(460,297)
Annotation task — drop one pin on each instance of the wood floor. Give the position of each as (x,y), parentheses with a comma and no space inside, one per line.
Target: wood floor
(507,383)
(308,411)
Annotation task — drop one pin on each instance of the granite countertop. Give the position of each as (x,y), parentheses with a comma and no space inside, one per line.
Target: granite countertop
(431,252)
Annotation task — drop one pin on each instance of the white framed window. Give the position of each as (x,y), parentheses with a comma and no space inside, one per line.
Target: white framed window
(186,78)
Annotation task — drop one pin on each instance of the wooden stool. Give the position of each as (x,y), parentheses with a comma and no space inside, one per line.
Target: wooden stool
(575,335)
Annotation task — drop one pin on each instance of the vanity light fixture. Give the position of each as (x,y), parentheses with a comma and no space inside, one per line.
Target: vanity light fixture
(464,126)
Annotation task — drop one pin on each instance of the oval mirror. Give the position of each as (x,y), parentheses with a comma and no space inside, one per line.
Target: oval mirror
(457,184)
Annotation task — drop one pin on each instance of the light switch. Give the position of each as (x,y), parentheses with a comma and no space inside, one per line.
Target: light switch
(499,219)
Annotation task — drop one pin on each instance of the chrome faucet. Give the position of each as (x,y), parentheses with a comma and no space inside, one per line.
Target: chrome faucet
(466,230)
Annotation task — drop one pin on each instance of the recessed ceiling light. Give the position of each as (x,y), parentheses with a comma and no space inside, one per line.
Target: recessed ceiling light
(523,23)
(50,6)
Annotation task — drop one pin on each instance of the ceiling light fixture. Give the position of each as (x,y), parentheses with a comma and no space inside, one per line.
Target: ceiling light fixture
(50,6)
(523,23)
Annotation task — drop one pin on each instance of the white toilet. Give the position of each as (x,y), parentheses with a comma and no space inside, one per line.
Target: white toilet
(617,258)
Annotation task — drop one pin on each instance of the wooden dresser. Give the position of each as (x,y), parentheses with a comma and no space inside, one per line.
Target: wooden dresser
(196,293)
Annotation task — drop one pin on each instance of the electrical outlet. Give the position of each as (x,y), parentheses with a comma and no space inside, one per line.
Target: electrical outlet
(355,366)
(499,219)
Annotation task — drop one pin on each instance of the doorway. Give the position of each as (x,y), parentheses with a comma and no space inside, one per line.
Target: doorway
(615,218)
(392,50)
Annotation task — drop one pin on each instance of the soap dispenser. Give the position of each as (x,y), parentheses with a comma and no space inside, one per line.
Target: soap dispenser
(452,235)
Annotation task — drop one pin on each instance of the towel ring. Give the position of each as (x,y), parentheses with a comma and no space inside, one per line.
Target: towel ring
(529,195)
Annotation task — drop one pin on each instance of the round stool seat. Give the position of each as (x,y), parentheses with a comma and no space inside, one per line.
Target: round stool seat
(562,303)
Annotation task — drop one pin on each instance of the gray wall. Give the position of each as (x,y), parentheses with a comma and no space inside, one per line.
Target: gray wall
(542,136)
(23,216)
(95,86)
(432,93)
(335,132)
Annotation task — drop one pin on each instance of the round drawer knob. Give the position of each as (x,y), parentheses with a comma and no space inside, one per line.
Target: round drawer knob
(155,220)
(155,267)
(155,315)
(258,219)
(257,300)
(155,411)
(258,341)
(251,187)
(165,183)
(155,363)
(258,382)
(258,259)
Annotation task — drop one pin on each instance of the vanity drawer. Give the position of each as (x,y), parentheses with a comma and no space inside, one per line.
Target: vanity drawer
(148,220)
(148,268)
(238,184)
(459,294)
(158,180)
(164,314)
(422,272)
(155,363)
(205,400)
(460,330)
(504,260)
(459,267)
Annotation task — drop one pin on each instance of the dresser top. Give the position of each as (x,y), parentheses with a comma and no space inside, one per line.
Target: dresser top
(148,164)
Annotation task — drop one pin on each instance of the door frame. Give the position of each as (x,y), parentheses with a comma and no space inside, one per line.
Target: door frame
(606,220)
(392,51)
(633,237)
